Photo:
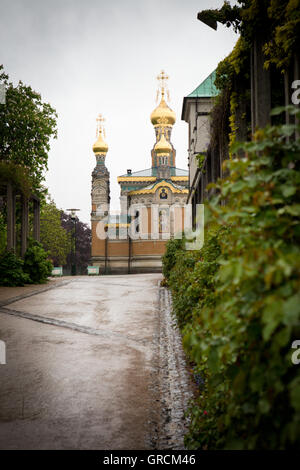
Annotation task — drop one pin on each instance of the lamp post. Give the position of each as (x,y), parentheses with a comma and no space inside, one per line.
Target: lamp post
(73,217)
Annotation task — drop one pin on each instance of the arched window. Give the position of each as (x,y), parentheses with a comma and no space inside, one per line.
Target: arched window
(163,160)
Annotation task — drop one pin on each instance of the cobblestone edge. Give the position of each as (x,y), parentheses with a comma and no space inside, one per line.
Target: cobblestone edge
(175,383)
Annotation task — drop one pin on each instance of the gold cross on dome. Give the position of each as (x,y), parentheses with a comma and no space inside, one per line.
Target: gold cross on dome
(100,124)
(162,83)
(162,77)
(100,120)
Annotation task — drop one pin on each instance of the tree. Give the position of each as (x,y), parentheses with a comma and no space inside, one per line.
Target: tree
(36,263)
(26,126)
(57,237)
(54,238)
(83,242)
(2,231)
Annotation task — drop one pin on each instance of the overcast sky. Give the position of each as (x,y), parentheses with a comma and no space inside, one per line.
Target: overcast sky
(93,56)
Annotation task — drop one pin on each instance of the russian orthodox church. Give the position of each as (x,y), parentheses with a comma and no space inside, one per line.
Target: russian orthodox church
(146,200)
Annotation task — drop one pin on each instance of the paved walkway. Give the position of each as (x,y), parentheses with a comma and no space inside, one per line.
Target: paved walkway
(81,364)
(9,293)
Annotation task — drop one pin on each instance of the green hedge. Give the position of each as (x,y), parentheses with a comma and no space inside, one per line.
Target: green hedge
(11,270)
(34,269)
(237,302)
(36,263)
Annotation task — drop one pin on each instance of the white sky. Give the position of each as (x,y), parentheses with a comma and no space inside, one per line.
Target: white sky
(95,56)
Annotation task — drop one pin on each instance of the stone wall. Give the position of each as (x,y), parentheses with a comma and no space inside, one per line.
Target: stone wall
(128,256)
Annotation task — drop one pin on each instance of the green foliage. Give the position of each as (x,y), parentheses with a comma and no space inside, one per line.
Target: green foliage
(11,270)
(190,274)
(232,74)
(200,157)
(169,259)
(237,302)
(236,64)
(227,15)
(2,232)
(278,24)
(220,122)
(34,269)
(277,20)
(232,119)
(17,175)
(26,127)
(284,17)
(36,263)
(54,238)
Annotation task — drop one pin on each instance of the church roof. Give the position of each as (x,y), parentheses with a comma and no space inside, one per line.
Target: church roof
(153,172)
(176,188)
(206,89)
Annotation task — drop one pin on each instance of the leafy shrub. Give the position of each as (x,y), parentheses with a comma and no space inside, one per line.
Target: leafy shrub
(36,264)
(54,238)
(169,259)
(11,270)
(3,233)
(190,274)
(238,303)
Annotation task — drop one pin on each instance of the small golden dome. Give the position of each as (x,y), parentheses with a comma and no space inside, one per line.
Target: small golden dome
(100,146)
(163,147)
(163,113)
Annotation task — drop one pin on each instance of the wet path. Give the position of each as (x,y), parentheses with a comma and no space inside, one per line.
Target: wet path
(92,363)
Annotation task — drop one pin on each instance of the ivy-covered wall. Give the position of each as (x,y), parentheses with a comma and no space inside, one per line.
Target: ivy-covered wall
(237,301)
(277,25)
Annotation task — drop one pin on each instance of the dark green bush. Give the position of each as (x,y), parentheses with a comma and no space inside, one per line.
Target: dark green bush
(169,259)
(239,304)
(36,263)
(11,270)
(192,280)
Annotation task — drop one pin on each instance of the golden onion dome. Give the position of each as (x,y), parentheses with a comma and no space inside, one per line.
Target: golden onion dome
(163,114)
(100,146)
(163,147)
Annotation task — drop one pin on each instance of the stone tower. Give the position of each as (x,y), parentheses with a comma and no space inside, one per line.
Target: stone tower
(163,118)
(100,177)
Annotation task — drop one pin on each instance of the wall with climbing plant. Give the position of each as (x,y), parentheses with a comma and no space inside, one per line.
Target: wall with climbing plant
(280,23)
(237,301)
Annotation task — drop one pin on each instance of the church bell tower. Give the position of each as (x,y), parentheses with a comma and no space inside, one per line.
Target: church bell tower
(100,177)
(163,118)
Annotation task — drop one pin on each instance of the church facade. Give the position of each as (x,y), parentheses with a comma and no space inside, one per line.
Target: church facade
(152,201)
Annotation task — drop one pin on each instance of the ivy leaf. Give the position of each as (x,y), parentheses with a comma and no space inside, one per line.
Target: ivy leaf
(264,406)
(213,360)
(278,110)
(293,210)
(238,186)
(291,310)
(288,191)
(271,317)
(295,393)
(288,129)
